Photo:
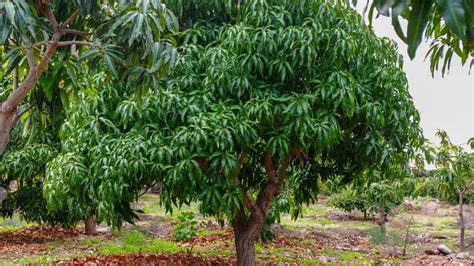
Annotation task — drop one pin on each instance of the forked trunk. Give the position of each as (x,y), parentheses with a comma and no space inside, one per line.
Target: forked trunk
(382,218)
(246,231)
(90,225)
(7,121)
(461,221)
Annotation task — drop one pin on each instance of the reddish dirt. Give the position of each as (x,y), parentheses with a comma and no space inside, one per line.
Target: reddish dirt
(32,240)
(205,240)
(149,259)
(436,260)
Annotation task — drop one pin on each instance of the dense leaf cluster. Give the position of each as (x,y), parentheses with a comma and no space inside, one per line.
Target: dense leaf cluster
(305,81)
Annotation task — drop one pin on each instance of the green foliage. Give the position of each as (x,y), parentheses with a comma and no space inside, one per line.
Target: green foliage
(282,96)
(25,167)
(373,189)
(448,23)
(455,170)
(186,227)
(134,241)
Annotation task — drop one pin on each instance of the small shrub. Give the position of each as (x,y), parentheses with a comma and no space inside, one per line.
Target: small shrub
(186,228)
(377,236)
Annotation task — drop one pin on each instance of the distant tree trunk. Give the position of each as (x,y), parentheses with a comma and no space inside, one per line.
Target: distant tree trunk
(90,225)
(246,231)
(382,217)
(365,214)
(461,220)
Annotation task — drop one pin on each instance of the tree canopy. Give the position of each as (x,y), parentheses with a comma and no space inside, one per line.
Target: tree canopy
(46,43)
(279,96)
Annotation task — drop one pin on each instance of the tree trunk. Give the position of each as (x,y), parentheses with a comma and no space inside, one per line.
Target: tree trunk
(461,221)
(7,121)
(90,225)
(246,232)
(382,218)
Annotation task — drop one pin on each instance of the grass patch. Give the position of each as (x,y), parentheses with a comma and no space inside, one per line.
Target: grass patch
(347,256)
(136,241)
(92,242)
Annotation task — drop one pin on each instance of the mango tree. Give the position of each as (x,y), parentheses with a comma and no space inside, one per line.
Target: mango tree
(376,192)
(126,35)
(283,95)
(266,101)
(455,170)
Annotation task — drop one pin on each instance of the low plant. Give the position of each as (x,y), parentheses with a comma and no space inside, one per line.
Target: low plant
(186,227)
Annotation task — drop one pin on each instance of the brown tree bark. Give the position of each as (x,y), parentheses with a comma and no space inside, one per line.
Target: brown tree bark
(8,108)
(248,228)
(90,225)
(246,231)
(461,221)
(382,218)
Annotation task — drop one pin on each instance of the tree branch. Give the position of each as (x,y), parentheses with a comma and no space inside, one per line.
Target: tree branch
(240,163)
(52,19)
(70,19)
(76,32)
(284,167)
(269,169)
(68,43)
(15,78)
(31,58)
(34,74)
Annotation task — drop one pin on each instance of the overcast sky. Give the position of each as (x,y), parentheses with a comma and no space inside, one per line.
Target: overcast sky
(444,103)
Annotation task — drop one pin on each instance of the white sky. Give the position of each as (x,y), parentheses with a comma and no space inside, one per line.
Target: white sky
(444,103)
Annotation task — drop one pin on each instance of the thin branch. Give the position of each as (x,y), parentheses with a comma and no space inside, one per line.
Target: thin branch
(15,78)
(52,19)
(70,19)
(284,167)
(269,166)
(76,32)
(68,43)
(31,58)
(251,205)
(241,162)
(468,185)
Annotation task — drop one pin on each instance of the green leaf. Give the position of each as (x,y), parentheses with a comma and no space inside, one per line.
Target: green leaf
(417,23)
(454,15)
(136,29)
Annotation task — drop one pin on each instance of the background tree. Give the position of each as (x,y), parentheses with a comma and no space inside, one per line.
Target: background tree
(35,35)
(104,162)
(376,192)
(455,170)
